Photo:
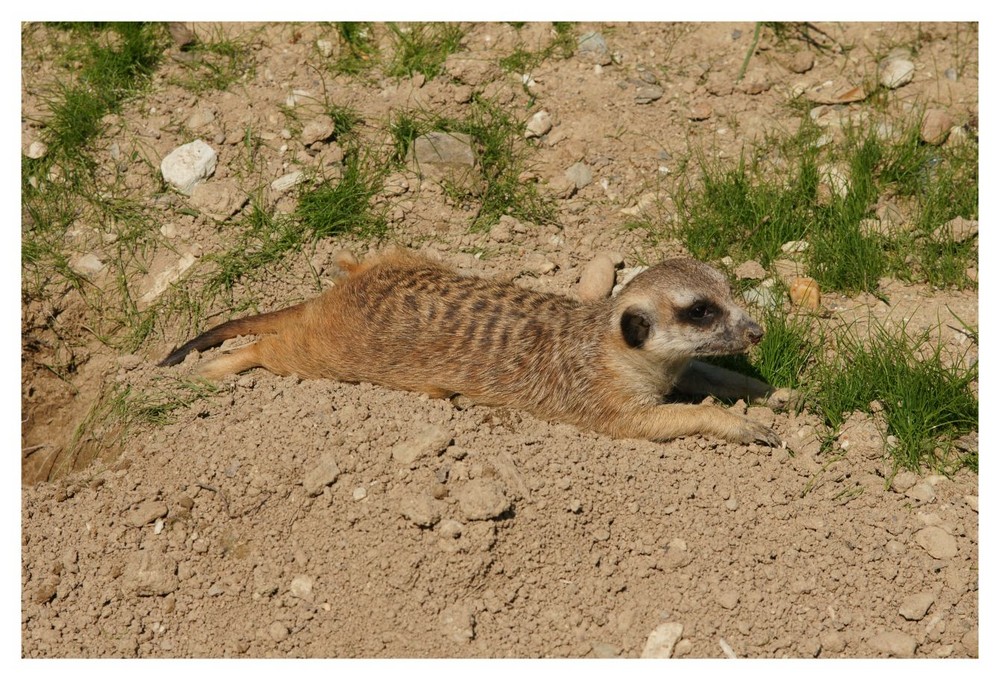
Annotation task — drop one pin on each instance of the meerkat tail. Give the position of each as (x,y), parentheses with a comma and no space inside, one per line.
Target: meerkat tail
(253,325)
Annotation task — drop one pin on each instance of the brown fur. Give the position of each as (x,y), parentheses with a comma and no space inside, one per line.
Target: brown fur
(409,323)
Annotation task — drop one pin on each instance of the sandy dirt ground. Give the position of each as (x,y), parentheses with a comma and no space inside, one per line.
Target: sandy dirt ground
(289,518)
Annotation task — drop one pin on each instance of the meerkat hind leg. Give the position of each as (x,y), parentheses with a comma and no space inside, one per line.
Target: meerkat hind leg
(232,362)
(701,379)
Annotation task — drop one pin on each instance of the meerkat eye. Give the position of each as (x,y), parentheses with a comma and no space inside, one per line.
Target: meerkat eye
(700,311)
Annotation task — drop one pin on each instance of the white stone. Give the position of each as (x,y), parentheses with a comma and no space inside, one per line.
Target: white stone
(36,149)
(187,165)
(163,280)
(538,124)
(660,643)
(893,73)
(325,47)
(286,182)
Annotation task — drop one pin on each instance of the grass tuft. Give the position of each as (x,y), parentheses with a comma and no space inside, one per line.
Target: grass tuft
(422,48)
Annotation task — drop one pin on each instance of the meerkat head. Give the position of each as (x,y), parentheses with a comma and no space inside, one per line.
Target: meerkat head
(682,308)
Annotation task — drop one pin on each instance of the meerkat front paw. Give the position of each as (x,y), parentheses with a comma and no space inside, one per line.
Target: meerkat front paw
(752,432)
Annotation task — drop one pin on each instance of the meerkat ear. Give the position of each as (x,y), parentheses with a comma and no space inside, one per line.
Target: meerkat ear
(636,326)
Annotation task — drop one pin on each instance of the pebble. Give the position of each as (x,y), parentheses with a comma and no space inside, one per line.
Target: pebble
(421,509)
(86,265)
(592,48)
(36,150)
(699,111)
(915,606)
(187,165)
(957,230)
(580,175)
(482,499)
(318,129)
(903,480)
(922,493)
(278,631)
(597,279)
(728,599)
(938,543)
(162,279)
(200,119)
(804,293)
(431,440)
(833,642)
(660,643)
(751,269)
(445,155)
(301,587)
(801,62)
(450,528)
(286,182)
(644,94)
(146,512)
(893,73)
(606,650)
(325,47)
(935,126)
(895,643)
(458,622)
(150,573)
(359,494)
(219,200)
(539,124)
(792,247)
(765,295)
(322,475)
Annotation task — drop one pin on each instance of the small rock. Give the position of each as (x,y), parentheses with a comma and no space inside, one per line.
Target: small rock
(325,47)
(149,573)
(751,269)
(838,92)
(86,265)
(36,150)
(833,642)
(728,599)
(938,543)
(146,512)
(971,642)
(699,111)
(359,493)
(429,441)
(278,631)
(792,247)
(644,94)
(200,119)
(592,48)
(319,129)
(893,73)
(895,643)
(957,230)
(660,643)
(450,528)
(162,280)
(539,124)
(801,62)
(187,165)
(445,156)
(903,480)
(580,175)
(765,295)
(323,475)
(915,606)
(804,293)
(286,182)
(935,126)
(458,622)
(922,493)
(301,587)
(606,650)
(482,499)
(421,509)
(219,200)
(597,279)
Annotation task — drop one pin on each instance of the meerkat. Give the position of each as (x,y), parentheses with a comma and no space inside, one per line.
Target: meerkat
(410,323)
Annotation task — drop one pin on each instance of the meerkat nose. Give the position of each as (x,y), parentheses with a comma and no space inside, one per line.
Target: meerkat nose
(754,333)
